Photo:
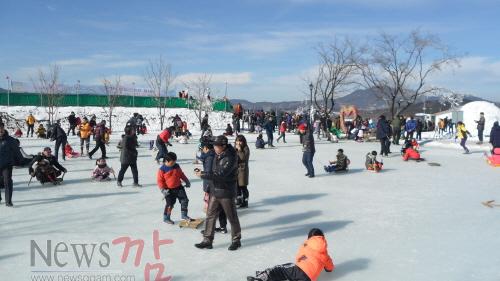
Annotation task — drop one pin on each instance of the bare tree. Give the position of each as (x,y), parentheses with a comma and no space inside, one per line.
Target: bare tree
(113,91)
(199,89)
(449,97)
(159,78)
(338,64)
(398,68)
(50,89)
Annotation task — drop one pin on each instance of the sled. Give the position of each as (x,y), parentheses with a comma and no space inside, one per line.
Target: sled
(194,223)
(433,164)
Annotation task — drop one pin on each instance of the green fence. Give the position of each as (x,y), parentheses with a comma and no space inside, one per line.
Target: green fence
(33,99)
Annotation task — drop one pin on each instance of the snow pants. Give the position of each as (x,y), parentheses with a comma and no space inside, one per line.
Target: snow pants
(60,143)
(173,195)
(462,144)
(124,168)
(99,144)
(6,173)
(30,128)
(307,160)
(283,272)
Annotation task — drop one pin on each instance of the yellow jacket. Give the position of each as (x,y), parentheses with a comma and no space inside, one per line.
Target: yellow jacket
(462,131)
(30,120)
(85,130)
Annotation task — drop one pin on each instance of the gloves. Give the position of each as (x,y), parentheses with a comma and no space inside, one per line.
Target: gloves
(65,171)
(169,144)
(165,192)
(188,184)
(31,171)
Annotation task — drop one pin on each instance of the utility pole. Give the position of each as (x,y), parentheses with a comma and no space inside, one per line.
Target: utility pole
(9,86)
(225,99)
(133,94)
(78,93)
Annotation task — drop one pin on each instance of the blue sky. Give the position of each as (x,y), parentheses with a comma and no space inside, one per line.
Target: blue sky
(262,48)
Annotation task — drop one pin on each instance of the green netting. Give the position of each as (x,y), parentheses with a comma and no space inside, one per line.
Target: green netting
(33,99)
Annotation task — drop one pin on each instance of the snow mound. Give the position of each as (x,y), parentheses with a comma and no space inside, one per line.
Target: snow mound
(472,110)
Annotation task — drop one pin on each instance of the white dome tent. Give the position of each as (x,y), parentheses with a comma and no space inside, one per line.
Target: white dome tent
(469,113)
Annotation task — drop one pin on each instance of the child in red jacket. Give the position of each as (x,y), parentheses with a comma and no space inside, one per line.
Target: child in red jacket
(169,179)
(311,259)
(409,153)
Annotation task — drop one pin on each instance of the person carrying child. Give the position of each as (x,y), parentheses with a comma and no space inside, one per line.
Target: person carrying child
(341,164)
(311,259)
(102,171)
(371,162)
(169,179)
(47,167)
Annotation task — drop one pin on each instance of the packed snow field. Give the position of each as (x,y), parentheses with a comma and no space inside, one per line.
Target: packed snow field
(411,221)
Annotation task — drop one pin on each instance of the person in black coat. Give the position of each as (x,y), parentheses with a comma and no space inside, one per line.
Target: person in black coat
(308,148)
(269,127)
(420,127)
(100,143)
(128,157)
(59,135)
(9,156)
(383,134)
(207,158)
(47,169)
(222,188)
(495,135)
(72,123)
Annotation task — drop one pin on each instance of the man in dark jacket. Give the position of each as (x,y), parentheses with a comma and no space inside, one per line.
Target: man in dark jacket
(100,143)
(308,148)
(396,130)
(383,134)
(128,157)
(59,135)
(222,188)
(269,127)
(72,123)
(495,135)
(420,127)
(480,127)
(207,158)
(47,167)
(9,156)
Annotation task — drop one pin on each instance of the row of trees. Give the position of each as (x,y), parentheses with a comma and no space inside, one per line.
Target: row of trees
(396,68)
(158,77)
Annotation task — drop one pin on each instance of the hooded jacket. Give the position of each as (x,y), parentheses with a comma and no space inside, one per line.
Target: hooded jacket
(495,135)
(313,257)
(10,154)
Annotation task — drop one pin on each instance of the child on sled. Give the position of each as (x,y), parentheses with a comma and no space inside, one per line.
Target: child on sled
(341,164)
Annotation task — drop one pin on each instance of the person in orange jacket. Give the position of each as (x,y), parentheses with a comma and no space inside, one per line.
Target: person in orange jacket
(162,140)
(169,179)
(311,259)
(84,131)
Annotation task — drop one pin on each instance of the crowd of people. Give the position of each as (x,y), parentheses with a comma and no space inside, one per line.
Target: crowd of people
(225,169)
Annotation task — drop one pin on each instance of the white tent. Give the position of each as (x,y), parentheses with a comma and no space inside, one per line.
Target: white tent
(469,113)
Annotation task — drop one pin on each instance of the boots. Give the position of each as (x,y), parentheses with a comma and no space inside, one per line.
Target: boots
(184,216)
(166,216)
(204,245)
(234,246)
(244,203)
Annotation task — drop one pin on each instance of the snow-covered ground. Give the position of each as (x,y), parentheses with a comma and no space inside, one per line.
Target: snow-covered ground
(120,116)
(409,222)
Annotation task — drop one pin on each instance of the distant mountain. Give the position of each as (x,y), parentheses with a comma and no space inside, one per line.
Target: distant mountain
(3,91)
(365,100)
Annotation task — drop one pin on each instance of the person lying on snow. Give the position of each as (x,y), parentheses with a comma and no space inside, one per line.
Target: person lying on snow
(341,164)
(47,167)
(311,259)
(409,153)
(102,171)
(371,162)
